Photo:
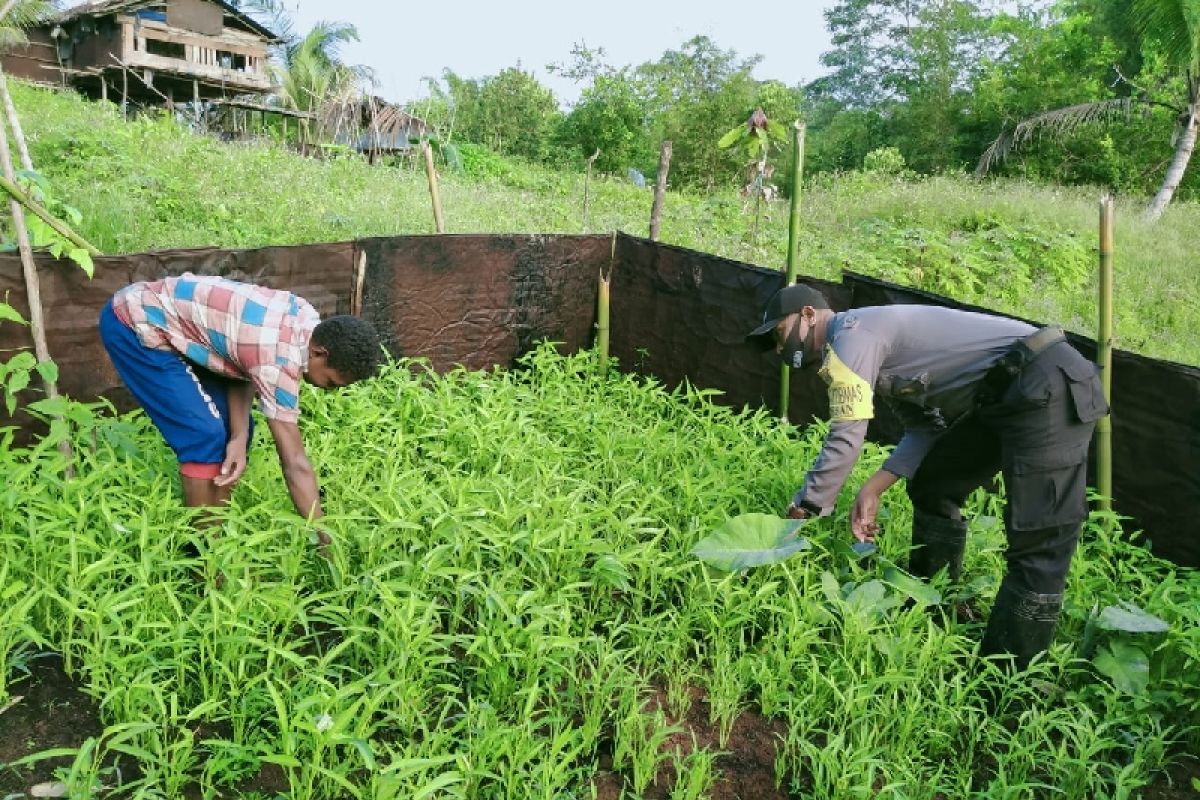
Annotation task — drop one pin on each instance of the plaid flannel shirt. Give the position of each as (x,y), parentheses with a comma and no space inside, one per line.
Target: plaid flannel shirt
(234,329)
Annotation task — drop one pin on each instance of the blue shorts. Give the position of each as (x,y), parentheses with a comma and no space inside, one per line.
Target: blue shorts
(187,403)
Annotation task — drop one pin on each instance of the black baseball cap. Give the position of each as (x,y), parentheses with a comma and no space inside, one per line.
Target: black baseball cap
(787,300)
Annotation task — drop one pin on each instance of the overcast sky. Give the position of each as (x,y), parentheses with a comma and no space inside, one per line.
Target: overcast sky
(403,42)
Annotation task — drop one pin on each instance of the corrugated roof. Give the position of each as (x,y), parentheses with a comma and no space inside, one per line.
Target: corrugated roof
(96,8)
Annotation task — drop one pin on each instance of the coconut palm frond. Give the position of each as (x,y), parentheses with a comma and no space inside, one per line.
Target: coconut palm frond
(22,15)
(1173,24)
(1057,123)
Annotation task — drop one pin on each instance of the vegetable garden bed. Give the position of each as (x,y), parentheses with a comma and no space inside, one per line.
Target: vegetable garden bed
(511,610)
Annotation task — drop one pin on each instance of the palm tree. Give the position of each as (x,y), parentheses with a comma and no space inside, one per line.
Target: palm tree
(1172,25)
(16,15)
(311,68)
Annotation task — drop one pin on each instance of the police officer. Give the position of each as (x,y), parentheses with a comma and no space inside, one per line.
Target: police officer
(977,394)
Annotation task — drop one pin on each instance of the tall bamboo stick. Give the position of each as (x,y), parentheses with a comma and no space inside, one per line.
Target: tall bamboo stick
(37,319)
(660,189)
(431,175)
(10,111)
(1104,348)
(793,256)
(602,321)
(61,228)
(587,182)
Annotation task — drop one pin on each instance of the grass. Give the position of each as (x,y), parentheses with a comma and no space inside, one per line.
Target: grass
(509,585)
(1013,246)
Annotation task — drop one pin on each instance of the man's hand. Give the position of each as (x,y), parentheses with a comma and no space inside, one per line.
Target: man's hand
(866,505)
(797,512)
(862,515)
(234,464)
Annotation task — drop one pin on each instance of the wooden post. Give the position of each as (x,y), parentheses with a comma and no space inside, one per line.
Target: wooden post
(602,322)
(660,189)
(103,88)
(431,174)
(37,319)
(124,91)
(793,255)
(360,272)
(586,183)
(14,122)
(1104,348)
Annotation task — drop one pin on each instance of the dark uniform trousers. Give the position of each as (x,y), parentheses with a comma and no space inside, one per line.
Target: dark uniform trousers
(1034,423)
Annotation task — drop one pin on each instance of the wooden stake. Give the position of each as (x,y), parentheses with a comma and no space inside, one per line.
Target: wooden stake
(431,174)
(14,122)
(660,189)
(586,183)
(360,271)
(37,319)
(1104,348)
(793,256)
(602,322)
(20,195)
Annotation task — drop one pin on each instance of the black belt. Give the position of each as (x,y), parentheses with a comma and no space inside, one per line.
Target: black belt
(1022,353)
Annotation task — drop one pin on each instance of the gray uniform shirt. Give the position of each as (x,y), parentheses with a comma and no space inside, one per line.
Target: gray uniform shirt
(925,361)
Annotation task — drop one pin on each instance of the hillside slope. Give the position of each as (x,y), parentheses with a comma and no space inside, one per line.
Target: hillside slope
(1012,246)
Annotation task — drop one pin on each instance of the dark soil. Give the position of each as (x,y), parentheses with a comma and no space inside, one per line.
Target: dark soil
(54,713)
(746,766)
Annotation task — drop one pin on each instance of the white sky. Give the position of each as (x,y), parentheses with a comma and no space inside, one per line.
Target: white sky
(404,41)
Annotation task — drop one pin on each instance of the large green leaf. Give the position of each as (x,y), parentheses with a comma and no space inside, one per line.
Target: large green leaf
(1125,665)
(732,136)
(912,586)
(751,540)
(1130,619)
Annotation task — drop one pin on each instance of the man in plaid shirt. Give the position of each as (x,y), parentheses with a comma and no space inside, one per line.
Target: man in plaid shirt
(195,350)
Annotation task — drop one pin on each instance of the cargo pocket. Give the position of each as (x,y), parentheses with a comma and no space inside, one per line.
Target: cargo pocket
(1087,395)
(1047,489)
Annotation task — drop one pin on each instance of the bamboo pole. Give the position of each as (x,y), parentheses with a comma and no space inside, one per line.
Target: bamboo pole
(660,189)
(1104,348)
(602,322)
(14,122)
(61,228)
(431,175)
(360,272)
(587,181)
(37,319)
(793,254)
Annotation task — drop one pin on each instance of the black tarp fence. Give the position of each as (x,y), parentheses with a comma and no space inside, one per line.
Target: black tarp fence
(482,301)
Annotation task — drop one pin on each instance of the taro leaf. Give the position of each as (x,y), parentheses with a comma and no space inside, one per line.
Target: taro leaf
(912,586)
(867,597)
(853,551)
(1125,665)
(1130,619)
(751,540)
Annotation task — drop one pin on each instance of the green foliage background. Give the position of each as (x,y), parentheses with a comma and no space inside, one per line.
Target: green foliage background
(1012,245)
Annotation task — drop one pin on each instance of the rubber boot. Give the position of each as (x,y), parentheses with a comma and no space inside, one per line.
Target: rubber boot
(937,542)
(1021,624)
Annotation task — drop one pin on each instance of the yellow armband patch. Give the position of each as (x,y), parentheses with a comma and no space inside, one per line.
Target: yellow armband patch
(850,397)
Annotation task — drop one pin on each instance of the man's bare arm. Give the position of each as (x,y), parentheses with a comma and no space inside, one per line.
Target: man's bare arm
(297,471)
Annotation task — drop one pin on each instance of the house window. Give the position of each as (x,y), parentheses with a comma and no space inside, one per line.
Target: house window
(157,47)
(227,60)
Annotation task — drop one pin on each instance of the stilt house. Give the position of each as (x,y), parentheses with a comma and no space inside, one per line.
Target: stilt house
(149,51)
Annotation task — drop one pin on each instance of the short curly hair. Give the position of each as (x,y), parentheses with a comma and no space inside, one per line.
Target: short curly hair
(352,346)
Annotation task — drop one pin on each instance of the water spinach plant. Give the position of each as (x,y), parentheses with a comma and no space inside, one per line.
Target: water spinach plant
(511,609)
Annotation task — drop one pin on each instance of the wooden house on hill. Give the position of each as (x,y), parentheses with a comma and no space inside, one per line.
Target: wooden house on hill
(149,51)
